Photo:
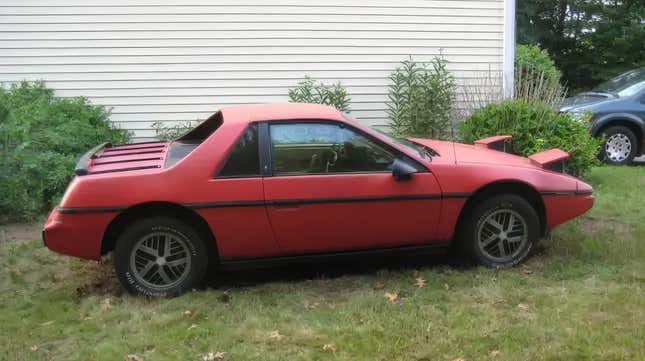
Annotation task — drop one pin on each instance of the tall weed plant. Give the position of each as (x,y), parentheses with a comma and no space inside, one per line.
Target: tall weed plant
(421,99)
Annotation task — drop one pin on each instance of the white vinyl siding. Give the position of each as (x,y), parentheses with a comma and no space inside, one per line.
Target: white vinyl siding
(182,60)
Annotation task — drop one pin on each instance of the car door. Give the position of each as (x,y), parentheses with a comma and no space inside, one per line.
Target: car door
(237,215)
(330,188)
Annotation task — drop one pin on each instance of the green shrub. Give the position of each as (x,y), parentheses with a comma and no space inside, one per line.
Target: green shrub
(533,58)
(535,127)
(421,99)
(310,91)
(41,136)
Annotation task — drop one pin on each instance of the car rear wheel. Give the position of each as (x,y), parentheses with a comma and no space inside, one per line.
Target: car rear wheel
(160,257)
(620,145)
(500,231)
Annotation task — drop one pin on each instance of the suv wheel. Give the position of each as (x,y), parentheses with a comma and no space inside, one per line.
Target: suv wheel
(620,145)
(500,231)
(160,257)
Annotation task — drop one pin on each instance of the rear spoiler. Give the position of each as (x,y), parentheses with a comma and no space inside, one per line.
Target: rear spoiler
(84,161)
(553,159)
(502,143)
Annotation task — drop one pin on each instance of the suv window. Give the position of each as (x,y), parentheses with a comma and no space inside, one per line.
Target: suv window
(244,160)
(322,148)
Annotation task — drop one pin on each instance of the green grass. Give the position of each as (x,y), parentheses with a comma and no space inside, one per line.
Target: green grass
(581,297)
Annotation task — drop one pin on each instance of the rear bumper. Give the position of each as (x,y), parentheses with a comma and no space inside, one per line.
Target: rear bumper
(78,235)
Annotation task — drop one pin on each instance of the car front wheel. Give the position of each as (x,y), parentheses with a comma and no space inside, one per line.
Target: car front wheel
(620,145)
(500,231)
(160,257)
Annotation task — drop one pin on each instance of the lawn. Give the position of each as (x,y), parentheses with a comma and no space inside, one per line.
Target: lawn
(580,297)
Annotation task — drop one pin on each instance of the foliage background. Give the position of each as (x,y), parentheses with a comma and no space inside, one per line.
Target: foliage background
(590,40)
(41,137)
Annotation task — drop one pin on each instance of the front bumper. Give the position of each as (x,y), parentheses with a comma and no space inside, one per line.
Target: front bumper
(562,208)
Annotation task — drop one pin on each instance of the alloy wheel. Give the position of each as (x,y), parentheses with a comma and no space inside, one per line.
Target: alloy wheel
(160,260)
(502,235)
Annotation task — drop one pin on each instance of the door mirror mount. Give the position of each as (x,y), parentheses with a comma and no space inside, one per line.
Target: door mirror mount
(402,170)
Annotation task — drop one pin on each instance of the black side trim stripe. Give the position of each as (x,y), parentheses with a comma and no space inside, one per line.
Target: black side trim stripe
(564,193)
(353,199)
(70,210)
(223,204)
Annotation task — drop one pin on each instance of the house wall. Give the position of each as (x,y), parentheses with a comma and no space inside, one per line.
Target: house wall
(181,60)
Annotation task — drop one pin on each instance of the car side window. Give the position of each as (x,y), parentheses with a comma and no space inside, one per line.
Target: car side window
(244,160)
(325,148)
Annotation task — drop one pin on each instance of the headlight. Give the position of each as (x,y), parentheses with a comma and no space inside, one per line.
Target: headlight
(580,117)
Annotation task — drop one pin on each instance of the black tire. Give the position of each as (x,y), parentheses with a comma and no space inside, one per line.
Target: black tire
(475,222)
(133,255)
(626,138)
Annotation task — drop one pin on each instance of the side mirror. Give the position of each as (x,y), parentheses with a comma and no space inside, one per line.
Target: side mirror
(402,170)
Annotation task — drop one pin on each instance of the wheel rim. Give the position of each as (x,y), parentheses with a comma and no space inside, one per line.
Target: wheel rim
(618,147)
(160,260)
(502,235)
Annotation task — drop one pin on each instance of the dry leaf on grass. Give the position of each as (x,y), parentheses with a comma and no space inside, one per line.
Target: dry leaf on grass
(310,305)
(107,303)
(194,325)
(188,313)
(134,357)
(420,282)
(329,347)
(459,359)
(392,297)
(523,306)
(494,353)
(446,286)
(34,348)
(47,323)
(275,334)
(212,356)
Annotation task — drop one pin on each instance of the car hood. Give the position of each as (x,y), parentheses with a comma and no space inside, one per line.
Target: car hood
(466,153)
(585,101)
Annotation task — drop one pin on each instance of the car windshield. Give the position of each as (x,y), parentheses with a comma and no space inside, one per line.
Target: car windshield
(425,152)
(624,85)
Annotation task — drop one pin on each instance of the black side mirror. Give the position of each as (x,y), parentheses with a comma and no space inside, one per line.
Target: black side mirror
(402,170)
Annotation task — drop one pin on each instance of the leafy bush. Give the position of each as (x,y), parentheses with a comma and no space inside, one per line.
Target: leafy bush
(535,127)
(41,137)
(421,99)
(310,91)
(531,57)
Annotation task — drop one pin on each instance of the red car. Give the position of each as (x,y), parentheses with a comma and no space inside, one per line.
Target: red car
(263,183)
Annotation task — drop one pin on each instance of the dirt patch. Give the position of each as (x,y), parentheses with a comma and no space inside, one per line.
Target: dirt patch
(101,280)
(600,225)
(20,232)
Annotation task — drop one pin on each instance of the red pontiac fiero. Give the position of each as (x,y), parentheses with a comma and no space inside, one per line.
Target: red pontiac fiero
(258,184)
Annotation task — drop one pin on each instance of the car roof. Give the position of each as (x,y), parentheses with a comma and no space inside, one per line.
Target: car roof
(279,111)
